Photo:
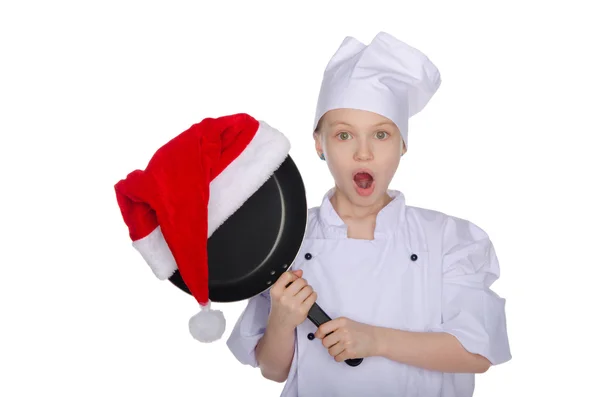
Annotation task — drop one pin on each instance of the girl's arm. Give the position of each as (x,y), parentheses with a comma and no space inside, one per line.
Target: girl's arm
(274,352)
(436,351)
(473,318)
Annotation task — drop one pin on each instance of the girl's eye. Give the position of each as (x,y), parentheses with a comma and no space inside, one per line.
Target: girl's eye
(381,134)
(344,135)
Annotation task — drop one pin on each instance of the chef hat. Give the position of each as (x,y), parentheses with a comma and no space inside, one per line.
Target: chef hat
(387,77)
(189,188)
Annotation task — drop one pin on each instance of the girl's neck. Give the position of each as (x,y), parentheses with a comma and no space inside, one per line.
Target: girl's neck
(349,211)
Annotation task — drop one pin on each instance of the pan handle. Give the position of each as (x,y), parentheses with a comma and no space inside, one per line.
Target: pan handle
(318,317)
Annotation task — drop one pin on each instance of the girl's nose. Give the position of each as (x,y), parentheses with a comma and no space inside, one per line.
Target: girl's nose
(363,152)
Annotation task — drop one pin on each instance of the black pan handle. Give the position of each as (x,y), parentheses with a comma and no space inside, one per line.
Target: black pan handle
(318,317)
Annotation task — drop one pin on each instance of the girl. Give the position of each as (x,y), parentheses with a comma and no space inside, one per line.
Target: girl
(408,289)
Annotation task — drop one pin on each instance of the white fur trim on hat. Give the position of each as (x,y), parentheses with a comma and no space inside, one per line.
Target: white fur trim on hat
(246,174)
(156,253)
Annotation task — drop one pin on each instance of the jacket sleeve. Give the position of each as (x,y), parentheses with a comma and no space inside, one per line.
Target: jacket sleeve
(471,311)
(249,328)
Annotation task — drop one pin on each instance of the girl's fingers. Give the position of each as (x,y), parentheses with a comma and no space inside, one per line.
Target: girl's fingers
(337,349)
(295,287)
(304,293)
(310,300)
(280,285)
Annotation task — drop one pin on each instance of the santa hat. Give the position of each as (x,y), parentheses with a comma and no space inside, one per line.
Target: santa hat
(189,188)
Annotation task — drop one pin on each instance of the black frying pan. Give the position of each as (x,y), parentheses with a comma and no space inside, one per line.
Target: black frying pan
(259,242)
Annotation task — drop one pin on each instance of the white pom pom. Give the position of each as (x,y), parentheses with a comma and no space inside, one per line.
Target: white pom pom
(208,325)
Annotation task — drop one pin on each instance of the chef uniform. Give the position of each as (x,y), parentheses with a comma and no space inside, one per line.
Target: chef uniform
(424,271)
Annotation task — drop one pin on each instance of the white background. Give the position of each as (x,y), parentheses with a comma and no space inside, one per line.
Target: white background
(89,90)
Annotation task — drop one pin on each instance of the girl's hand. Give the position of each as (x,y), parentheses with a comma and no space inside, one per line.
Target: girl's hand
(291,299)
(347,339)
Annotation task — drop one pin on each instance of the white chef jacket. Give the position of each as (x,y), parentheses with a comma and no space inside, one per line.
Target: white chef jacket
(424,271)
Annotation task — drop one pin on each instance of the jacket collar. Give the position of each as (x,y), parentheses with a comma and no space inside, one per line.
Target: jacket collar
(388,222)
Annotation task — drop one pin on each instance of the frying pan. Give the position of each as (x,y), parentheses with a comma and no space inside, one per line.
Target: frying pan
(259,242)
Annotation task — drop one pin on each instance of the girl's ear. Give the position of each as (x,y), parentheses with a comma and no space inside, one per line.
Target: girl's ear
(318,143)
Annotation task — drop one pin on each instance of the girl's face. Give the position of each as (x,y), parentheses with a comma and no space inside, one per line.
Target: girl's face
(362,150)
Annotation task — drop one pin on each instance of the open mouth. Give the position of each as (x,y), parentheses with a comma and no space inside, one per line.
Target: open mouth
(363,179)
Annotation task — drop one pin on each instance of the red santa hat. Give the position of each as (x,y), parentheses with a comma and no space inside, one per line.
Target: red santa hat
(189,188)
